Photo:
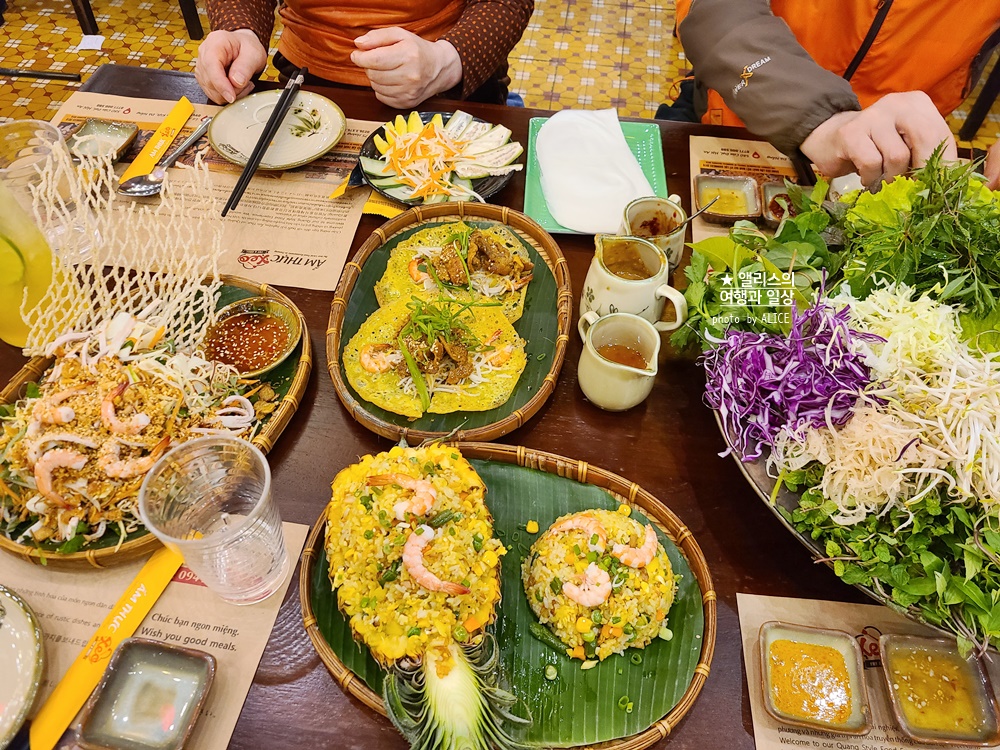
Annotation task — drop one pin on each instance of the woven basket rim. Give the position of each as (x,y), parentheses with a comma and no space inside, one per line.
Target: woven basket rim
(542,242)
(265,439)
(629,493)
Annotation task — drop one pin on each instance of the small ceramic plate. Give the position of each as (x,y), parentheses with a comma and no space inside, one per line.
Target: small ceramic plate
(739,197)
(21,662)
(794,676)
(312,127)
(98,137)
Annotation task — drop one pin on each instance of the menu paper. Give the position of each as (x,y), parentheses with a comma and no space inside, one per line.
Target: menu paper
(71,604)
(866,622)
(287,231)
(730,156)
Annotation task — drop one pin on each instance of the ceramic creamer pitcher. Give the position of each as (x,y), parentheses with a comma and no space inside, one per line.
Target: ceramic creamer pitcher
(632,275)
(608,383)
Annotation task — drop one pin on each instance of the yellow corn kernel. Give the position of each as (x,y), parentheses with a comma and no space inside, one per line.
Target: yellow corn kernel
(531,527)
(584,625)
(624,510)
(490,558)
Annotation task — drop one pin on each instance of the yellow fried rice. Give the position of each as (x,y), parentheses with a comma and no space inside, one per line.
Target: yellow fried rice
(393,614)
(635,611)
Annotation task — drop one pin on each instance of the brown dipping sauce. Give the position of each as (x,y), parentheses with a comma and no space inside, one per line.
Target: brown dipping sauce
(623,355)
(777,211)
(624,261)
(658,225)
(248,341)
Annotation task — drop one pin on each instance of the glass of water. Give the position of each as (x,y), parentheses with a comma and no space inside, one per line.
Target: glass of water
(210,499)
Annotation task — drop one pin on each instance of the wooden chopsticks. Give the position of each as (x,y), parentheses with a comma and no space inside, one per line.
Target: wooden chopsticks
(270,129)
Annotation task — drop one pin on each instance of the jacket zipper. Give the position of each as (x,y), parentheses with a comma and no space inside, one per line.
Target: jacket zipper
(882,10)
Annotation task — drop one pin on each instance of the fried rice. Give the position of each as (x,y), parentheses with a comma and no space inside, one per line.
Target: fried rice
(634,612)
(393,614)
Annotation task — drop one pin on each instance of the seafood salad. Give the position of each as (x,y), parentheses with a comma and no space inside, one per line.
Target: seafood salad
(416,568)
(74,450)
(461,261)
(439,357)
(600,581)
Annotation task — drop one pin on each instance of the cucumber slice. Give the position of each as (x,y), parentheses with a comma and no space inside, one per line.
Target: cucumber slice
(493,138)
(375,167)
(490,162)
(386,182)
(403,193)
(439,198)
(457,123)
(463,184)
(476,130)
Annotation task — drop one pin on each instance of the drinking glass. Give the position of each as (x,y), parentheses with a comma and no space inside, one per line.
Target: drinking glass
(25,145)
(210,499)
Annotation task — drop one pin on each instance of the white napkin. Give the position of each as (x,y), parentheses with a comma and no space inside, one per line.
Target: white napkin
(588,172)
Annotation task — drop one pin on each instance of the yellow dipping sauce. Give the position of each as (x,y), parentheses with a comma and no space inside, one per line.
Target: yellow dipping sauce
(809,682)
(935,691)
(731,202)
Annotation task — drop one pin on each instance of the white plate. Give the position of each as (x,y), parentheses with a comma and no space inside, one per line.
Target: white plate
(312,127)
(21,662)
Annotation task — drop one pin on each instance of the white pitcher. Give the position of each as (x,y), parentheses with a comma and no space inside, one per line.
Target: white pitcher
(605,292)
(608,384)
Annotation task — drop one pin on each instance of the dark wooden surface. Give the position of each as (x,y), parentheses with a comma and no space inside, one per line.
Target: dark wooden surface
(668,444)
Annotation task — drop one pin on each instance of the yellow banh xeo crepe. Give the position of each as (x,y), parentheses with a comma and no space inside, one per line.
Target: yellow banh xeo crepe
(397,283)
(488,325)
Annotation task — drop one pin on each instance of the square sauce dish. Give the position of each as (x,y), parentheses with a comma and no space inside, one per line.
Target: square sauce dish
(813,678)
(937,695)
(149,698)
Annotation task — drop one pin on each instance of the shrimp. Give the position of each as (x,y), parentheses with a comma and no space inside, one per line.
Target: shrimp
(60,458)
(521,282)
(48,411)
(595,589)
(34,448)
(637,557)
(423,498)
(588,524)
(500,356)
(413,561)
(416,274)
(131,426)
(109,459)
(379,357)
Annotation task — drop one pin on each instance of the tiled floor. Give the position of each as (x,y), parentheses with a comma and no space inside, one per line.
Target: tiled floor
(575,53)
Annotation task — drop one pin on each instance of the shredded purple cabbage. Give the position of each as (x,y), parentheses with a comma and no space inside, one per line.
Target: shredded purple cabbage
(760,383)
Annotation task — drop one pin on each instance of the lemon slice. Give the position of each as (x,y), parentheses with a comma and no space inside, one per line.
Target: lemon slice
(11,262)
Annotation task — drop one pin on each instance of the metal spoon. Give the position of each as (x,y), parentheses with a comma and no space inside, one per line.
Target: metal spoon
(149,184)
(689,218)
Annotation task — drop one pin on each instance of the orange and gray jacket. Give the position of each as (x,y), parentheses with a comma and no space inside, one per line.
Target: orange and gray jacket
(782,67)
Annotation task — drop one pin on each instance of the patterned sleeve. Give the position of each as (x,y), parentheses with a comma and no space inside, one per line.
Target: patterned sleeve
(484,35)
(256,15)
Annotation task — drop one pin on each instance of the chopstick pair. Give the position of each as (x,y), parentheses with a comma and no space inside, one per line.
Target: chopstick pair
(295,81)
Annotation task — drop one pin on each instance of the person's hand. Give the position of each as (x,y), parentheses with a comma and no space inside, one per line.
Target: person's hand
(897,132)
(992,167)
(226,62)
(403,68)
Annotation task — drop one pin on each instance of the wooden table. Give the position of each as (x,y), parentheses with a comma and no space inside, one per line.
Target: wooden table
(668,445)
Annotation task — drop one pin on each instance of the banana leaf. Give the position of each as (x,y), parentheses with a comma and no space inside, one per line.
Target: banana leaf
(579,706)
(280,379)
(538,326)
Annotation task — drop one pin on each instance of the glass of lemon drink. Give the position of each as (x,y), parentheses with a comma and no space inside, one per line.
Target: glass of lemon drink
(25,257)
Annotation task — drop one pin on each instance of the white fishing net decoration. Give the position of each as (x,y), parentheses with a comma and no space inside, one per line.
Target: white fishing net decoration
(153,258)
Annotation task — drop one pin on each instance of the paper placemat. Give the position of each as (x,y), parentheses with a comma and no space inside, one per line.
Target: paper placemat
(286,231)
(866,622)
(732,156)
(71,604)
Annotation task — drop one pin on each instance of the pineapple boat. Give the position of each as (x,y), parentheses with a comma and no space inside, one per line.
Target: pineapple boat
(417,573)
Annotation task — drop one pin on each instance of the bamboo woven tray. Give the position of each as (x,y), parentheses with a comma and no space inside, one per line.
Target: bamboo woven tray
(622,491)
(289,379)
(536,384)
